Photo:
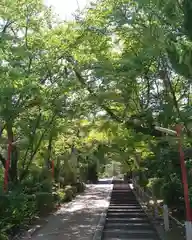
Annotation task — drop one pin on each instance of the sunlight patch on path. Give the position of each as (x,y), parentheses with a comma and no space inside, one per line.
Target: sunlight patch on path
(78,219)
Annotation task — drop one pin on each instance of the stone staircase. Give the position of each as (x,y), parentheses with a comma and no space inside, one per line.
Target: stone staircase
(125,217)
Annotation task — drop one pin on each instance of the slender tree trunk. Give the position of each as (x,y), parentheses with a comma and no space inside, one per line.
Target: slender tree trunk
(31,139)
(49,150)
(34,151)
(13,172)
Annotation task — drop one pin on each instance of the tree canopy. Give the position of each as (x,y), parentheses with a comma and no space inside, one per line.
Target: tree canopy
(91,91)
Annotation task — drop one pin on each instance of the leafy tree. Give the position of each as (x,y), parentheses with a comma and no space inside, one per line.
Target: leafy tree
(89,93)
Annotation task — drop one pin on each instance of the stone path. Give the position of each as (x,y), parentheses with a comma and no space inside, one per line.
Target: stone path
(77,220)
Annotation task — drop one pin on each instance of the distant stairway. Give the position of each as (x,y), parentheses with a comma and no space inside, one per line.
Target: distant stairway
(125,217)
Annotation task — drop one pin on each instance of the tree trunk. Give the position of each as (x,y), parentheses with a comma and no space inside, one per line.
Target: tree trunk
(35,150)
(13,170)
(49,150)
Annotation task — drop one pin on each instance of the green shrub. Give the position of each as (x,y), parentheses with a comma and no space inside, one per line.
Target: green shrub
(44,202)
(61,195)
(4,203)
(171,193)
(190,195)
(45,174)
(74,190)
(39,180)
(69,193)
(3,236)
(22,208)
(155,185)
(29,198)
(55,197)
(17,211)
(80,187)
(68,174)
(46,185)
(143,181)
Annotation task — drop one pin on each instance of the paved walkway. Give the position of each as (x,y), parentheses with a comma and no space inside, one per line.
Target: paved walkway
(77,220)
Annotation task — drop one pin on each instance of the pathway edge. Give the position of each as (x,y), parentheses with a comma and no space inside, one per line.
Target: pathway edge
(101,223)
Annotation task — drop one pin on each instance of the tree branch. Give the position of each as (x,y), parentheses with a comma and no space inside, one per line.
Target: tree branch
(107,109)
(33,152)
(130,123)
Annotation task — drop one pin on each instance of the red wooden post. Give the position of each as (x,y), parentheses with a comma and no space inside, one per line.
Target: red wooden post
(184,174)
(6,172)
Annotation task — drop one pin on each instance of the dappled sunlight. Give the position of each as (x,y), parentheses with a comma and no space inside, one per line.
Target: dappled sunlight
(131,185)
(73,208)
(95,197)
(80,218)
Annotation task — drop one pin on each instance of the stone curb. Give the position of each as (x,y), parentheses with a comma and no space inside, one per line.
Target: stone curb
(101,224)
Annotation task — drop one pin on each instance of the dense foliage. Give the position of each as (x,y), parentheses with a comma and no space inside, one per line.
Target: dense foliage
(88,94)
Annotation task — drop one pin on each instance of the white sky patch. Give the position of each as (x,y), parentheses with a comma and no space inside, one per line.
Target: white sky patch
(66,8)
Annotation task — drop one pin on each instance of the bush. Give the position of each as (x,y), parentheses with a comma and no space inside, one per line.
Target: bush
(3,236)
(68,174)
(69,193)
(44,202)
(155,185)
(172,192)
(17,210)
(80,187)
(4,203)
(74,190)
(30,198)
(190,196)
(55,197)
(46,185)
(61,195)
(143,181)
(23,208)
(39,180)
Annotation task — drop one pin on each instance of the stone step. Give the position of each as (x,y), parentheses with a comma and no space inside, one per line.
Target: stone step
(123,238)
(123,198)
(123,225)
(128,220)
(128,233)
(125,206)
(122,190)
(122,193)
(123,202)
(125,217)
(125,214)
(125,210)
